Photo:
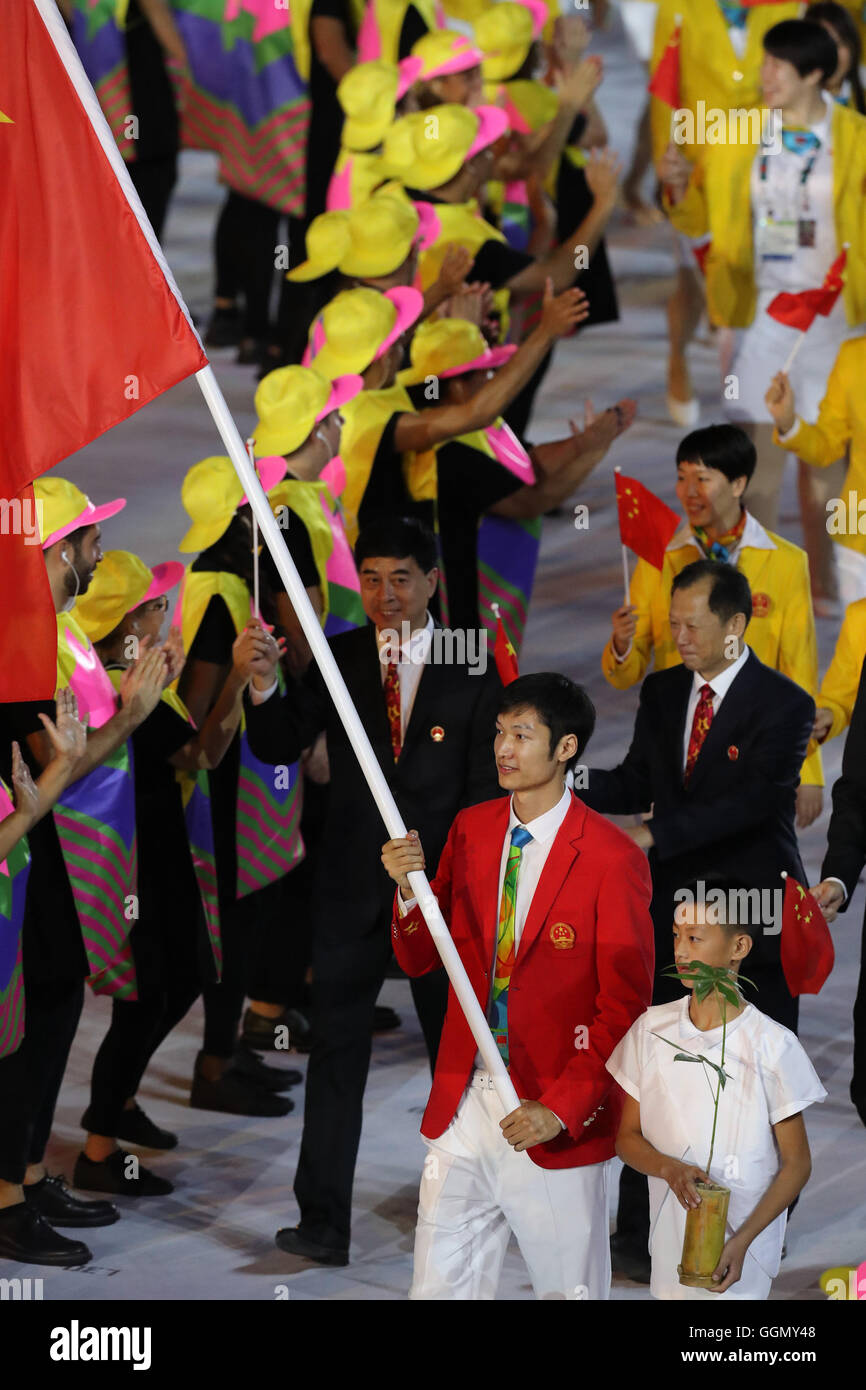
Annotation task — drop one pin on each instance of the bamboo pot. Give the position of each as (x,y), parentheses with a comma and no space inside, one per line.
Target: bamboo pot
(704,1238)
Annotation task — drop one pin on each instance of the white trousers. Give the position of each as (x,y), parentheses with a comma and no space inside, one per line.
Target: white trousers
(475,1190)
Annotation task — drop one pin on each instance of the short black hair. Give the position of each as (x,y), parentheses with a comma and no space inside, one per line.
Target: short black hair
(560,703)
(726,448)
(739,906)
(805,44)
(398,537)
(729,588)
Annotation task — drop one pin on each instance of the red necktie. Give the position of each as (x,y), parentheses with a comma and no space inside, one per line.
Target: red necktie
(392,706)
(700,728)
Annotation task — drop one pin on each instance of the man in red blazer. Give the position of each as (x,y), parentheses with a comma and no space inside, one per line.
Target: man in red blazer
(548,905)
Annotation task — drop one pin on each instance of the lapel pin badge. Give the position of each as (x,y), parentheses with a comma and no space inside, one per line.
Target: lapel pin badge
(562,936)
(760,605)
(733,753)
(437,733)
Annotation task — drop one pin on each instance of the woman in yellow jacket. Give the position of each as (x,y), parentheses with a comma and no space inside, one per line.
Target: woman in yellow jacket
(778,214)
(714,466)
(840,427)
(720,55)
(835,699)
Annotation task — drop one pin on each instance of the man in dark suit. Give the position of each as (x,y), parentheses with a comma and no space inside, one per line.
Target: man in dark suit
(843,865)
(715,757)
(431,721)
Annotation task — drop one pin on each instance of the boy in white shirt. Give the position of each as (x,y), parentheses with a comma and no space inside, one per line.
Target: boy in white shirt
(761,1151)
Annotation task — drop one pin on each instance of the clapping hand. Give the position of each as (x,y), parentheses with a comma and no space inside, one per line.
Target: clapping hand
(68,735)
(561,313)
(24,789)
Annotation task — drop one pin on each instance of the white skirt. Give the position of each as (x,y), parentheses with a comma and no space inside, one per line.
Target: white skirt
(639,21)
(762,350)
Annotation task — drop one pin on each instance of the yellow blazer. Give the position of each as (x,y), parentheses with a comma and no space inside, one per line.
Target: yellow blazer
(718,200)
(781,632)
(839,687)
(841,422)
(710,69)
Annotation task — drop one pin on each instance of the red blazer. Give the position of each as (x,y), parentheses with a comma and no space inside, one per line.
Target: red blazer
(583,973)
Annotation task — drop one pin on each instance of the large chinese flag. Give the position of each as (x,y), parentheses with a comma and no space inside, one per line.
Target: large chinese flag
(91,324)
(665,81)
(646,523)
(806,946)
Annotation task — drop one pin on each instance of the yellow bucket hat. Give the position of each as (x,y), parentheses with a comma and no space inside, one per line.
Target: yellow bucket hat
(290,401)
(505,34)
(428,148)
(359,326)
(368,96)
(467,10)
(327,241)
(443,51)
(63,508)
(381,233)
(211,494)
(122,582)
(450,347)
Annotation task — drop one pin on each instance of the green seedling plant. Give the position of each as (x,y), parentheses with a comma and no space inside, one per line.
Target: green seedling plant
(706,980)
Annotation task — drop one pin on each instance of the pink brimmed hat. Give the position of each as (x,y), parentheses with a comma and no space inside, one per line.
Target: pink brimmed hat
(165,577)
(63,508)
(492,123)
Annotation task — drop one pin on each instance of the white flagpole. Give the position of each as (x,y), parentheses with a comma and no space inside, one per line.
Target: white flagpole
(793,353)
(375,778)
(273,538)
(256,608)
(624,548)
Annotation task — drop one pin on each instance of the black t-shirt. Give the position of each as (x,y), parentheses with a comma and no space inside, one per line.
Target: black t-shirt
(300,547)
(468,484)
(414,27)
(496,262)
(166,879)
(51,934)
(213,643)
(386,493)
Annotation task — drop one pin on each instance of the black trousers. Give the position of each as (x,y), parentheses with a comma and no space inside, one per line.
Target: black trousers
(30,1078)
(171,959)
(240,920)
(773,998)
(246,235)
(347,977)
(154,181)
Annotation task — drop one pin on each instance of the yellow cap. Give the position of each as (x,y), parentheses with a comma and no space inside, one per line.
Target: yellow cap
(428,148)
(504,33)
(444,347)
(355,325)
(62,508)
(211,494)
(288,402)
(380,236)
(367,94)
(443,51)
(119,584)
(467,10)
(327,242)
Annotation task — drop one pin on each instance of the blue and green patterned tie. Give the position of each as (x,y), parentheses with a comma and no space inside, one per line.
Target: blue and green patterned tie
(505,950)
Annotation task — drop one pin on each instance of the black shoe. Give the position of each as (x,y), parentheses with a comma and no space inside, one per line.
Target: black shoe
(294,1242)
(385,1019)
(300,1032)
(251,352)
(224,329)
(135,1127)
(236,1095)
(53,1200)
(261,1033)
(248,1064)
(111,1176)
(629,1260)
(26,1236)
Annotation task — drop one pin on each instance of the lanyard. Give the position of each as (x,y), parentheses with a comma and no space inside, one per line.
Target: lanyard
(803,180)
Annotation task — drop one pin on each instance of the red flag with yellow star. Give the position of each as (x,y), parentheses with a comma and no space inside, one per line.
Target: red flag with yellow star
(665,81)
(91,322)
(646,523)
(807,946)
(504,654)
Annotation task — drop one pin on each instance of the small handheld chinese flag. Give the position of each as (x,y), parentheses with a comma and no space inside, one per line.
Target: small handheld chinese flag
(503,652)
(646,523)
(800,310)
(665,81)
(807,946)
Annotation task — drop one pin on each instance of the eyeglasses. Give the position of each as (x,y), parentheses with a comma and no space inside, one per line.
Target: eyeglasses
(156,605)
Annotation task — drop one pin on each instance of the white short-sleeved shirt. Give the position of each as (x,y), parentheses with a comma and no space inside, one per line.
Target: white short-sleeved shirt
(770,1079)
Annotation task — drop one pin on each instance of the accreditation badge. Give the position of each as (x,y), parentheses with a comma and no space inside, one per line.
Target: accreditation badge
(777,239)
